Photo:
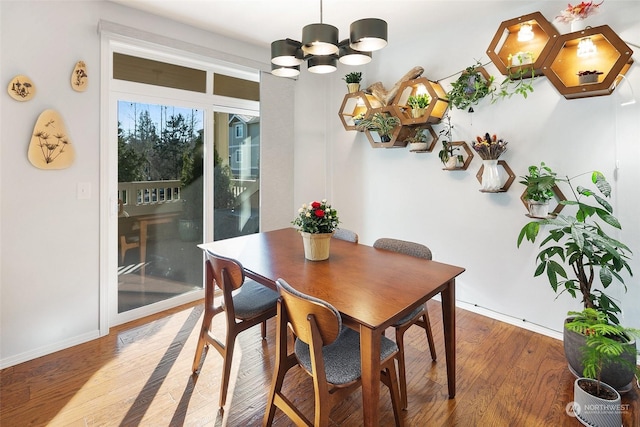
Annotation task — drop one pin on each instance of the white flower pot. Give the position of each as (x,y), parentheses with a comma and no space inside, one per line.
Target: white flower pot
(538,209)
(418,146)
(594,411)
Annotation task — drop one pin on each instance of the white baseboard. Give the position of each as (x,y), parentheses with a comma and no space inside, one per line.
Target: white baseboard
(43,351)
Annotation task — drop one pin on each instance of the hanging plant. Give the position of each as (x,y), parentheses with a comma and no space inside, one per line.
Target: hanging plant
(470,88)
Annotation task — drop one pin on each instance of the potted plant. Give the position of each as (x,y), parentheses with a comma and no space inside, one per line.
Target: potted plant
(518,81)
(447,154)
(540,182)
(316,222)
(381,123)
(418,104)
(582,243)
(596,402)
(418,141)
(469,89)
(353,80)
(585,77)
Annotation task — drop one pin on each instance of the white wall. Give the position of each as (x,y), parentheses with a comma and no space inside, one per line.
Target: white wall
(395,193)
(49,246)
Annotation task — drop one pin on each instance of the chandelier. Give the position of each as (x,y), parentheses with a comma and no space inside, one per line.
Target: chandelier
(321,50)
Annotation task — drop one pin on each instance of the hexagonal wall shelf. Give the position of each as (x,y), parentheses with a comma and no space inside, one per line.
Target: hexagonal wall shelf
(354,104)
(410,131)
(466,157)
(593,49)
(434,112)
(513,52)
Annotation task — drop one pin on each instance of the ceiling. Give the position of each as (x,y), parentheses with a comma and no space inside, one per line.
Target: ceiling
(262,21)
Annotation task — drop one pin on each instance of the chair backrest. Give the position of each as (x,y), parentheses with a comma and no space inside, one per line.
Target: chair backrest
(300,307)
(401,246)
(344,234)
(225,271)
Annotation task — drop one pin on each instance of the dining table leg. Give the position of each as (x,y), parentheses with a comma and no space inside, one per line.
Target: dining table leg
(370,364)
(449,325)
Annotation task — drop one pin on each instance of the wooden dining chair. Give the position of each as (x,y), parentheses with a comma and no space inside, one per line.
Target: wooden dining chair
(344,234)
(419,316)
(245,303)
(329,353)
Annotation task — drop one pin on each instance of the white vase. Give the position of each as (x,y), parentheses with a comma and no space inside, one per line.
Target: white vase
(538,209)
(491,180)
(578,25)
(316,245)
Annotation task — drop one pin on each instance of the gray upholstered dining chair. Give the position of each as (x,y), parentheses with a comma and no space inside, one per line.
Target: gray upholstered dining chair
(344,234)
(327,351)
(245,303)
(419,316)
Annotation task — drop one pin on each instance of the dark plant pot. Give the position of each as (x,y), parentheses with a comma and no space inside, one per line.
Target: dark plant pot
(385,138)
(616,374)
(594,411)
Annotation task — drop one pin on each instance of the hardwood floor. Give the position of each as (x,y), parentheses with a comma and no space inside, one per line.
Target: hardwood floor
(141,375)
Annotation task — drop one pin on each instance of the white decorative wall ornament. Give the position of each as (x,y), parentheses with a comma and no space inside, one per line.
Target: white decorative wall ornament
(21,88)
(50,146)
(79,77)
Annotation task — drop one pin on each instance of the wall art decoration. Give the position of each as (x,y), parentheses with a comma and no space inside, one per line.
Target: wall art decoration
(79,77)
(50,146)
(21,88)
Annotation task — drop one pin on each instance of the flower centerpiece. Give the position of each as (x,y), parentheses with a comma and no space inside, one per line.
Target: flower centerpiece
(489,148)
(316,222)
(579,12)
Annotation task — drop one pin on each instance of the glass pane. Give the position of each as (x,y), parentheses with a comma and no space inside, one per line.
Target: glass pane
(141,70)
(237,175)
(160,191)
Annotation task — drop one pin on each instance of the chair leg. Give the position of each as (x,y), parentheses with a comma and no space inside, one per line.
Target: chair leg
(263,327)
(390,378)
(401,367)
(427,328)
(226,369)
(202,341)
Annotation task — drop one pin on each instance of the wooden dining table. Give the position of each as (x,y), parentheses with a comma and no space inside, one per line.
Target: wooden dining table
(371,288)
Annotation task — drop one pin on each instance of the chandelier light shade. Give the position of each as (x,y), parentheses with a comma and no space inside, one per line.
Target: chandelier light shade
(323,64)
(350,56)
(283,71)
(320,39)
(321,50)
(368,35)
(286,53)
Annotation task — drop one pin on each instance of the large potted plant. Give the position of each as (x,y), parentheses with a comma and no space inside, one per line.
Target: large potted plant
(596,402)
(539,182)
(581,243)
(381,123)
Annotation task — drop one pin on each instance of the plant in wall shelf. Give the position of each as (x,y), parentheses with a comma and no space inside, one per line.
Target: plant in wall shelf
(353,80)
(519,78)
(540,182)
(381,123)
(470,88)
(418,141)
(447,154)
(418,103)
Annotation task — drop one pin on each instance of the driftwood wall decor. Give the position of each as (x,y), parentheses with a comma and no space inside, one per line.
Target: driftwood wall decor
(21,88)
(386,96)
(79,77)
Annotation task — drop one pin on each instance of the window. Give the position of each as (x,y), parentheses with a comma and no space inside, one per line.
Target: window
(239,130)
